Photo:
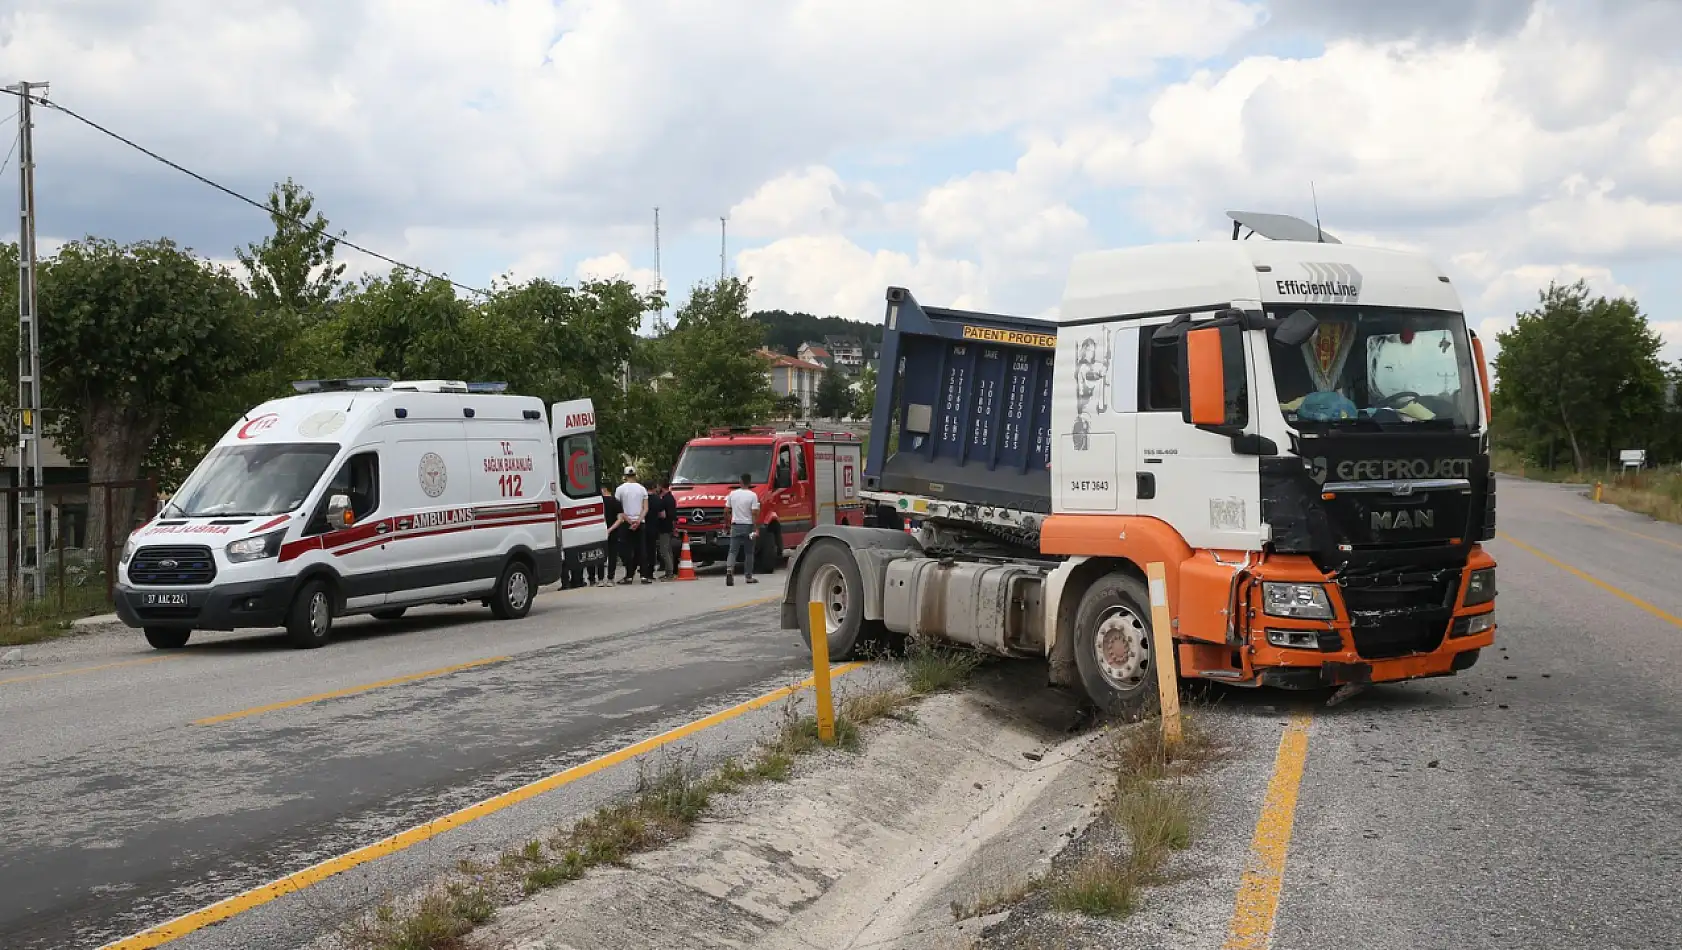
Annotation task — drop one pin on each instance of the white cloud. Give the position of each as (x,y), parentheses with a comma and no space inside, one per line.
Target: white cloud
(829,274)
(614,266)
(813,200)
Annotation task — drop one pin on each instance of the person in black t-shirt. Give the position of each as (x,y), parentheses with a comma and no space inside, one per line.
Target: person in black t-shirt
(610,514)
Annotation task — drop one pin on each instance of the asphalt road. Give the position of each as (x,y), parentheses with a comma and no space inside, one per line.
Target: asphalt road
(136,786)
(1533,802)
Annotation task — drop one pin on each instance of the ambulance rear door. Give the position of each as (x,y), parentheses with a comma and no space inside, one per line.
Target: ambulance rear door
(583,532)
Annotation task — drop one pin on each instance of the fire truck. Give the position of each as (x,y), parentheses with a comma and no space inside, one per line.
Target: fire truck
(803,477)
(1295,429)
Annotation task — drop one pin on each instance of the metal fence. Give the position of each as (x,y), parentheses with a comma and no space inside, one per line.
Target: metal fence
(80,568)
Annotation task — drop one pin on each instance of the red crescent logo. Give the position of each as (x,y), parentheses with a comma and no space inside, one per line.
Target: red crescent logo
(257,426)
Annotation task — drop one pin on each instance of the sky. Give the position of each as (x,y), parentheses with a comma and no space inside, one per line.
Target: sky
(965,151)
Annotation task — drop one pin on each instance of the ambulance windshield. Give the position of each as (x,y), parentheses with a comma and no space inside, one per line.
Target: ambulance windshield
(252,480)
(721,464)
(1367,367)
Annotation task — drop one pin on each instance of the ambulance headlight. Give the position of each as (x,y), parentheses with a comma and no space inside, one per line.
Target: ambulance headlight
(128,550)
(256,547)
(1304,601)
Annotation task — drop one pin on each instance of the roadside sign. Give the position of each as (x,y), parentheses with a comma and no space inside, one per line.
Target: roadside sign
(1633,458)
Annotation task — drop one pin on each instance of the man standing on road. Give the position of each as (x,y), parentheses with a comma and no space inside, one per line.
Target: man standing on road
(743,505)
(611,513)
(662,512)
(633,499)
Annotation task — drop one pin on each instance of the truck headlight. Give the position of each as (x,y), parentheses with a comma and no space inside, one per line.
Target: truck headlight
(1304,601)
(1480,586)
(256,547)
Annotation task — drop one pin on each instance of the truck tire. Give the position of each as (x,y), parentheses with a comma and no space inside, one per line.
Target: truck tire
(309,621)
(768,553)
(830,576)
(1113,650)
(513,595)
(166,638)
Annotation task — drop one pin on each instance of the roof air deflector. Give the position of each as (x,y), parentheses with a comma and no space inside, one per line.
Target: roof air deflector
(1278,227)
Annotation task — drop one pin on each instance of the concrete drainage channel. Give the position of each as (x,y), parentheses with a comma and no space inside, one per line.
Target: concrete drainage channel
(945,803)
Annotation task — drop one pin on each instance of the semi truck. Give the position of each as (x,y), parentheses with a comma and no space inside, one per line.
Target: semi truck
(804,477)
(1296,429)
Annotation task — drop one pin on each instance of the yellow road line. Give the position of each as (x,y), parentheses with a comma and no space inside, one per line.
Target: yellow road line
(348,691)
(1257,906)
(1610,526)
(298,880)
(754,603)
(1658,612)
(85,669)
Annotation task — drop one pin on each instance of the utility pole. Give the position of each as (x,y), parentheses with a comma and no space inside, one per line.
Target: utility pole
(721,250)
(659,285)
(30,521)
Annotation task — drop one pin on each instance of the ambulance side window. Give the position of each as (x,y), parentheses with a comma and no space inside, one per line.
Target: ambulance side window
(359,479)
(578,466)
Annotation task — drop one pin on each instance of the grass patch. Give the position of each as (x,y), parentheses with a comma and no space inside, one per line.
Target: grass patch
(33,621)
(1654,494)
(1154,807)
(932,667)
(993,901)
(668,801)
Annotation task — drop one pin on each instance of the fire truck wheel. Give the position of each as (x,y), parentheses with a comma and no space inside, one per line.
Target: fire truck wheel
(829,576)
(770,551)
(1113,646)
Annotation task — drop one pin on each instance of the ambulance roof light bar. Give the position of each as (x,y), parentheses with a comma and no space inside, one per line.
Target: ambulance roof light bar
(487,387)
(352,384)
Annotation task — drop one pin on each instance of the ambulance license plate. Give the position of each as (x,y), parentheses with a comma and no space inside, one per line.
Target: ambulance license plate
(592,555)
(166,600)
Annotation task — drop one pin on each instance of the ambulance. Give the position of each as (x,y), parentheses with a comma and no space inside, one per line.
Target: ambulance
(367,496)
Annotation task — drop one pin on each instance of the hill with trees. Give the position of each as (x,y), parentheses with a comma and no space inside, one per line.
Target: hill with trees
(785,330)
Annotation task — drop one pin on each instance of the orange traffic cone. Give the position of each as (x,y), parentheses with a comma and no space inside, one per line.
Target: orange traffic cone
(685,566)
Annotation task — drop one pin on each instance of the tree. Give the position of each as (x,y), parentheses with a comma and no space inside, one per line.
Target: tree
(135,340)
(834,397)
(785,331)
(293,269)
(864,398)
(1585,371)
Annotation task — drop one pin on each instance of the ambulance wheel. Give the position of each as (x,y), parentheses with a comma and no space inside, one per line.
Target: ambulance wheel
(309,622)
(167,638)
(1113,649)
(392,614)
(512,599)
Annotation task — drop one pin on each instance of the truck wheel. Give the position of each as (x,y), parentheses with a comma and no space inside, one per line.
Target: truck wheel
(829,575)
(166,638)
(769,552)
(309,622)
(392,614)
(512,599)
(1113,646)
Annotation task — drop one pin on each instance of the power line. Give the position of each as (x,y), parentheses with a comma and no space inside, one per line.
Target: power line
(11,151)
(313,228)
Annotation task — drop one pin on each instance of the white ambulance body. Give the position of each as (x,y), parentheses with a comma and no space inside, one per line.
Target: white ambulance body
(356,496)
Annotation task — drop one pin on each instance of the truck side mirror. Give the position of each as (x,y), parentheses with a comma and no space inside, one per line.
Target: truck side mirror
(339,513)
(1295,329)
(1214,387)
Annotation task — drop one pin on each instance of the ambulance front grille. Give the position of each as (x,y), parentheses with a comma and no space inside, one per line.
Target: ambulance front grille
(172,566)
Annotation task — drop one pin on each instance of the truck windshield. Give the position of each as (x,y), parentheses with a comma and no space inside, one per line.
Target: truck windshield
(1370,367)
(252,480)
(721,464)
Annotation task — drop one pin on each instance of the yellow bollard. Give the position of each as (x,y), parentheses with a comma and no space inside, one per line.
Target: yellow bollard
(1597,490)
(1162,648)
(815,615)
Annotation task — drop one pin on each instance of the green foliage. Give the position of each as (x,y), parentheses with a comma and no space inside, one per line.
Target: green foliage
(834,398)
(864,400)
(1581,372)
(294,268)
(785,331)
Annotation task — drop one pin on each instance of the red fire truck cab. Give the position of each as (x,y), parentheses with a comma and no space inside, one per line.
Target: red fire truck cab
(803,478)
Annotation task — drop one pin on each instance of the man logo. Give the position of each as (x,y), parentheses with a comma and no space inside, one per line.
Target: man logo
(1403,519)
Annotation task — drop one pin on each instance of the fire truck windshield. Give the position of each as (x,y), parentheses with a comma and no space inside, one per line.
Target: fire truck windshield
(1366,366)
(721,464)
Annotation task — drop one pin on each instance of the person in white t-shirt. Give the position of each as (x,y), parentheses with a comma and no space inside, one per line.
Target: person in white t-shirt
(743,505)
(633,502)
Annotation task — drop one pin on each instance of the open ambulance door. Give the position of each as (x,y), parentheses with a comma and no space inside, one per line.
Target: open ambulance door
(583,532)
